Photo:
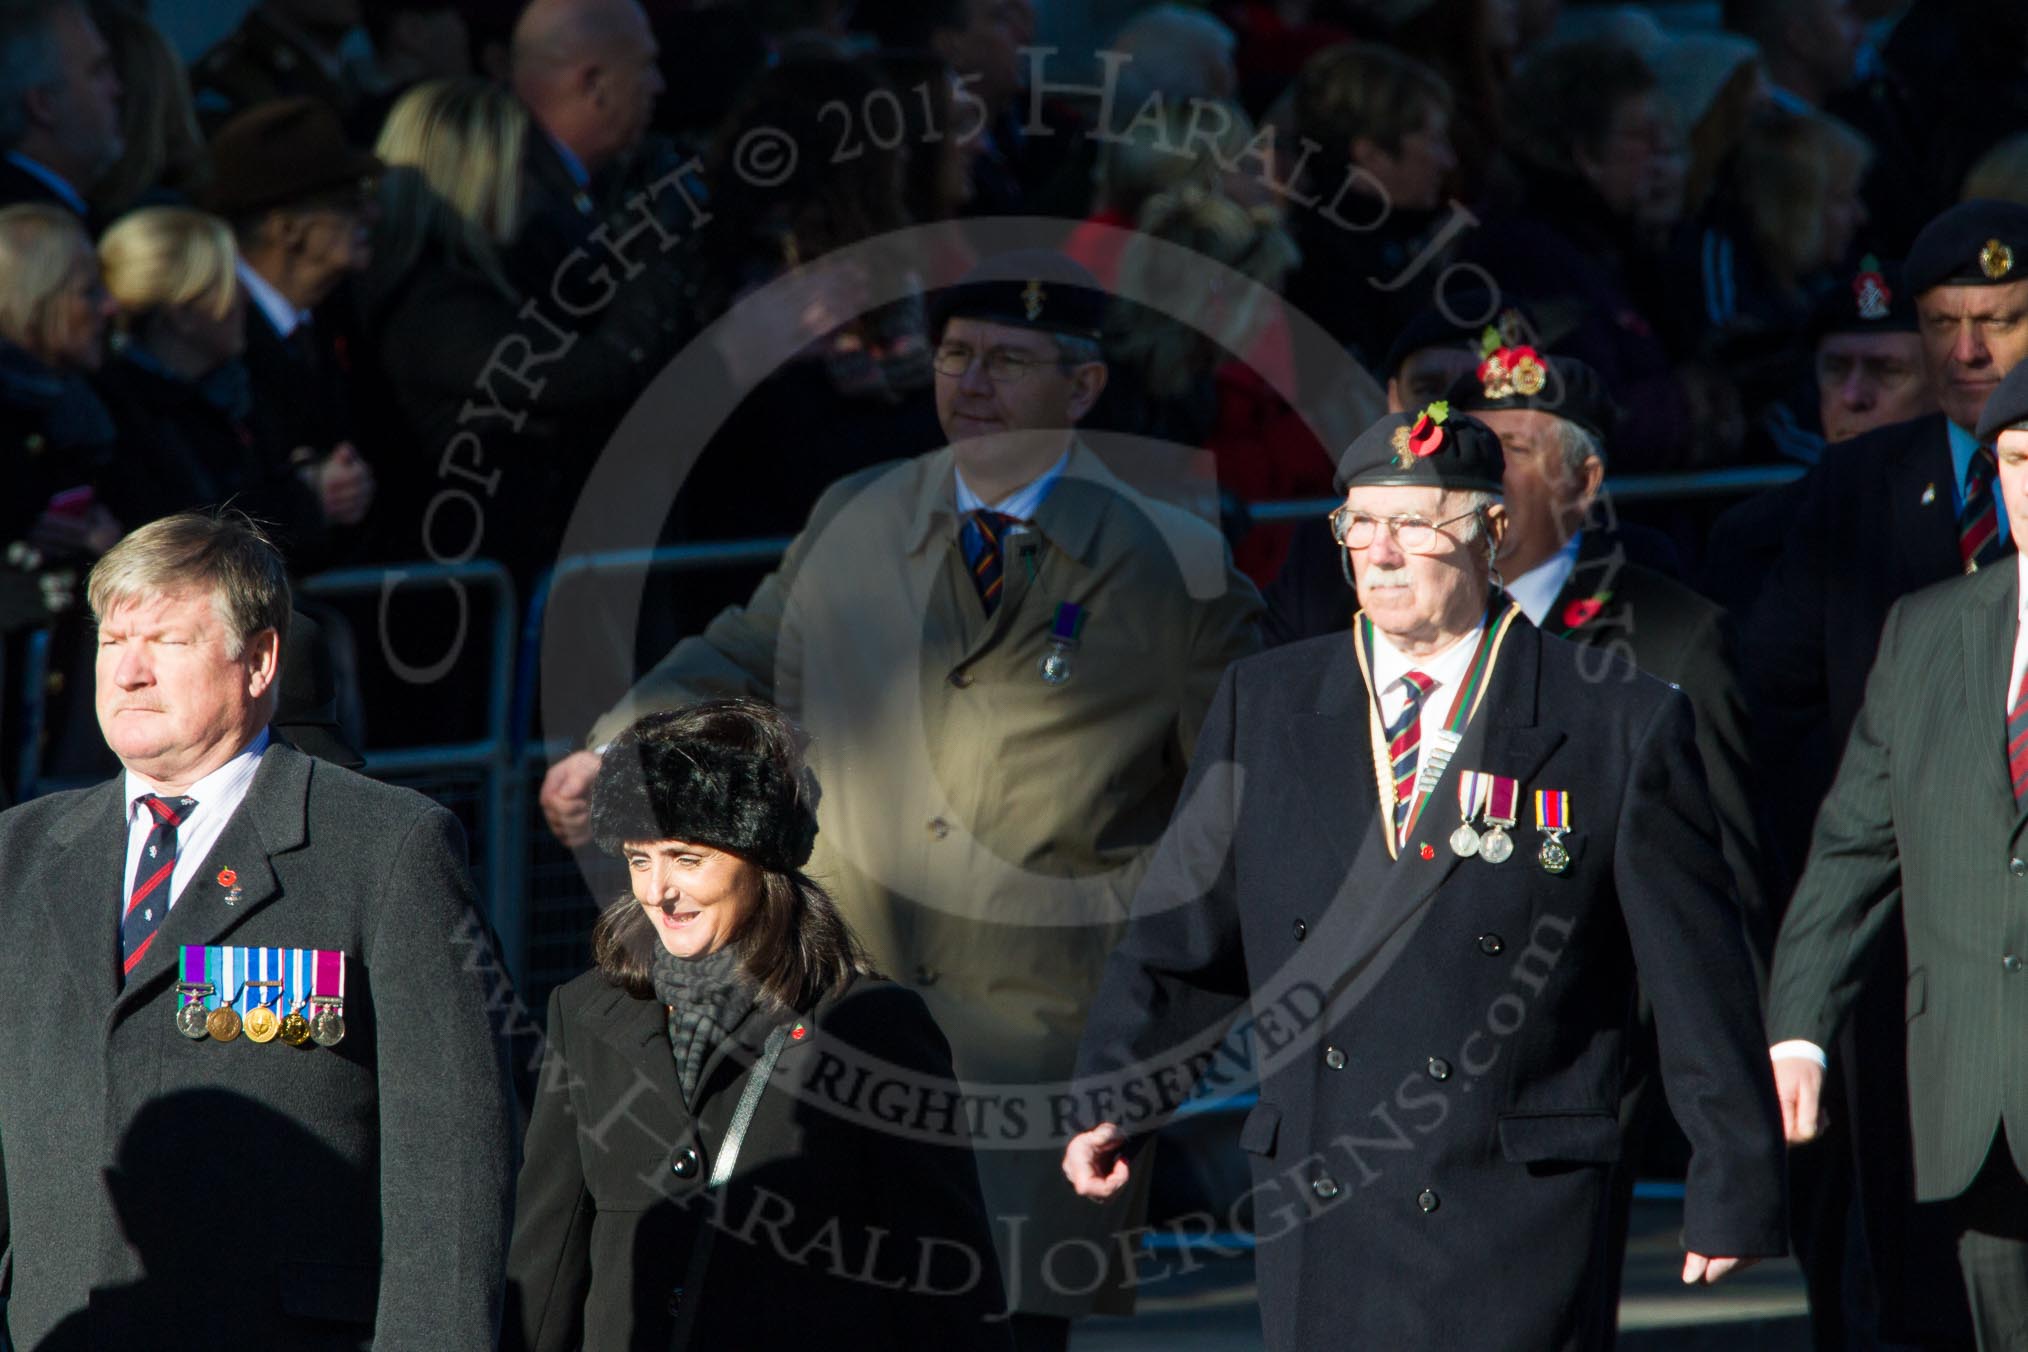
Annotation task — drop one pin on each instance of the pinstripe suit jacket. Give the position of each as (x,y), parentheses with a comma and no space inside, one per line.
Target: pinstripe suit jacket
(1922,821)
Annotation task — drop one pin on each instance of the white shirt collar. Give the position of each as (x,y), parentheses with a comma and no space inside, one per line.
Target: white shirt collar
(1446,668)
(1536,590)
(283,316)
(49,178)
(227,783)
(1022,502)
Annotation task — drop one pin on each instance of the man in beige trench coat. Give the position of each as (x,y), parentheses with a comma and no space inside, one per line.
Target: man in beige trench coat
(1002,655)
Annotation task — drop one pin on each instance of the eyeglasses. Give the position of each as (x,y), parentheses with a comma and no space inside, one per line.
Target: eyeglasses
(1003,366)
(1356,530)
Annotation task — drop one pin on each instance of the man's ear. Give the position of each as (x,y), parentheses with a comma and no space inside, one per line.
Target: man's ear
(1394,404)
(263,657)
(1367,154)
(40,103)
(1497,522)
(1087,382)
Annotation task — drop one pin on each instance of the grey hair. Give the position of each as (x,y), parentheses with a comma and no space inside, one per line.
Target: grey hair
(29,60)
(1073,351)
(224,553)
(1578,446)
(1476,502)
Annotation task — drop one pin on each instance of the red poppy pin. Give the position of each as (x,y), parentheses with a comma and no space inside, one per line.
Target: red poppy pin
(1508,371)
(1424,437)
(226,877)
(799,1032)
(1428,851)
(1579,613)
(1870,290)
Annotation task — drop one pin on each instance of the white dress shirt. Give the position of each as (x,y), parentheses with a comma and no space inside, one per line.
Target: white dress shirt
(1021,503)
(1446,668)
(283,316)
(1536,590)
(218,796)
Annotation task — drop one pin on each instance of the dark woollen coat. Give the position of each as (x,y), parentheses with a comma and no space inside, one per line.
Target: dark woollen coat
(1450,1119)
(830,1221)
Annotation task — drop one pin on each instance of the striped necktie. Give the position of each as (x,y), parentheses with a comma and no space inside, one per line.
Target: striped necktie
(1404,734)
(1979,541)
(2017,742)
(150,900)
(988,567)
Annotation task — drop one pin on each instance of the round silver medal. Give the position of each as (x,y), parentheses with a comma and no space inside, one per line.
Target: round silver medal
(328,1028)
(190,1021)
(1464,841)
(1056,667)
(1496,846)
(1555,858)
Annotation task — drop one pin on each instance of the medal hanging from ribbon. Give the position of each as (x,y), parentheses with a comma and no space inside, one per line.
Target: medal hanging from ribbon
(295,1029)
(1464,704)
(1552,819)
(224,966)
(1473,787)
(327,999)
(1502,812)
(1063,639)
(262,1023)
(191,993)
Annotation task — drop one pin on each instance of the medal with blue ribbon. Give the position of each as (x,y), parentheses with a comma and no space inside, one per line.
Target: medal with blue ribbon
(1063,637)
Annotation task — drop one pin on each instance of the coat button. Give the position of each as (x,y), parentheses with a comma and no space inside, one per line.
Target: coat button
(961,679)
(938,828)
(1428,1201)
(686,1164)
(1439,1069)
(1334,1057)
(2018,867)
(1324,1186)
(2011,963)
(1491,944)
(1299,929)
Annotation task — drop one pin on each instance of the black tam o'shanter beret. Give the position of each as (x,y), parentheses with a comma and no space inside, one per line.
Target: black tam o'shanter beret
(1982,242)
(1878,299)
(1028,288)
(1435,448)
(1515,378)
(2007,406)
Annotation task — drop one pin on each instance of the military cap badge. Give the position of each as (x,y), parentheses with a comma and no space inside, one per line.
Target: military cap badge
(1871,291)
(1509,368)
(1423,437)
(1032,297)
(1996,260)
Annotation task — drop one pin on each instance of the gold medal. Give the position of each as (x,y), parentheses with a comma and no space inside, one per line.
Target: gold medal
(222,1023)
(295,1029)
(262,1024)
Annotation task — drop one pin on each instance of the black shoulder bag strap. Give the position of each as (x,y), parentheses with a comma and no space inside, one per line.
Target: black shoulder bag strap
(687,1295)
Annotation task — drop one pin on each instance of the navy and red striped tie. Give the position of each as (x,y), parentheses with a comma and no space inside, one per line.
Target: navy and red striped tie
(150,900)
(1979,541)
(988,568)
(1404,734)
(2017,742)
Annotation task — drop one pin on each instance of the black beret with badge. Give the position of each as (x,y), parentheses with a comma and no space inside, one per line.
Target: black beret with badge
(1514,378)
(1982,242)
(1435,448)
(1877,300)
(1037,289)
(2007,406)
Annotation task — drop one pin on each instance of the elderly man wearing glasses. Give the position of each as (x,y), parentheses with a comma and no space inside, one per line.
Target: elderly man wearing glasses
(1002,654)
(1428,856)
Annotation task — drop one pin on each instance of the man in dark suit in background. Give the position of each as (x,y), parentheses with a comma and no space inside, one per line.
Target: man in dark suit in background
(1887,514)
(393,1231)
(59,105)
(1926,818)
(1385,837)
(299,197)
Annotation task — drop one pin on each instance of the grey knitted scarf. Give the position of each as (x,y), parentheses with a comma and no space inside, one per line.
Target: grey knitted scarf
(707,999)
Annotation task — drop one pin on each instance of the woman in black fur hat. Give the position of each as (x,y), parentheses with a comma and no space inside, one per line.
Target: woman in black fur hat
(740,1125)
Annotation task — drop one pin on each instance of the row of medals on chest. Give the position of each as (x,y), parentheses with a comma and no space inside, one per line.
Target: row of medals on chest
(1485,797)
(317,1018)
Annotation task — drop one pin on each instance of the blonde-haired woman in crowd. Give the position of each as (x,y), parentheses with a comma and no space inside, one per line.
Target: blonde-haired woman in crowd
(56,441)
(178,394)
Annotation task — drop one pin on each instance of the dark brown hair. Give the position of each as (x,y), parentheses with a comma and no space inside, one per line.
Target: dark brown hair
(795,947)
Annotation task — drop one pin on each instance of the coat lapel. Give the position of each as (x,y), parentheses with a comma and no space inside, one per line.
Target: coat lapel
(1504,739)
(1988,626)
(79,885)
(1923,495)
(1333,752)
(272,819)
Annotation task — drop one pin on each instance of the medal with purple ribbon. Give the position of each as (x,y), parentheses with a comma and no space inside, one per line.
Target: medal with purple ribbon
(1495,845)
(327,998)
(1552,818)
(190,993)
(1063,637)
